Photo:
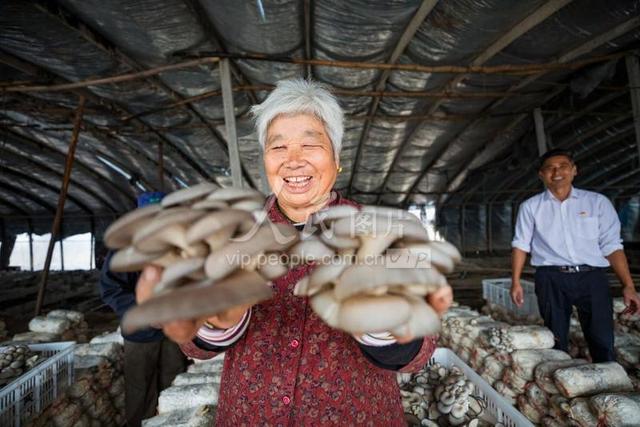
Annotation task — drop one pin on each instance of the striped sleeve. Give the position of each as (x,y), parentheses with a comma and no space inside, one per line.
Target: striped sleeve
(224,337)
(380,339)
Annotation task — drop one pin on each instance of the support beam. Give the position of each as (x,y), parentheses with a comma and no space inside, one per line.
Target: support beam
(84,31)
(570,55)
(529,22)
(19,175)
(21,140)
(30,227)
(404,40)
(212,57)
(308,36)
(161,165)
(21,193)
(55,228)
(541,137)
(633,74)
(117,111)
(230,123)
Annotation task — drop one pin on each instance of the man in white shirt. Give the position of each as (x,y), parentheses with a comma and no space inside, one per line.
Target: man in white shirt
(573,235)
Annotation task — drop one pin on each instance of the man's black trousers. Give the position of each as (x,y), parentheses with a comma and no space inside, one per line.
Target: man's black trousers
(589,292)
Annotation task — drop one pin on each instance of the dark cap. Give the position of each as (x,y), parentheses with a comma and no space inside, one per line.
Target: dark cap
(553,153)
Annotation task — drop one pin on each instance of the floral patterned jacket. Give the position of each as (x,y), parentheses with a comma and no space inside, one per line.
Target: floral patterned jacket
(290,368)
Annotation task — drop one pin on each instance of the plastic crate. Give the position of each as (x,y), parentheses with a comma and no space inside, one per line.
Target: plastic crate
(497,406)
(497,291)
(29,394)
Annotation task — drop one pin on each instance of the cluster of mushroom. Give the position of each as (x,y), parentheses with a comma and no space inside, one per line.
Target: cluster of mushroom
(438,396)
(209,241)
(15,360)
(373,269)
(519,337)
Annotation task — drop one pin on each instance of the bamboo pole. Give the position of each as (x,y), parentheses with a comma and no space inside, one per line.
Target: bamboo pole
(55,228)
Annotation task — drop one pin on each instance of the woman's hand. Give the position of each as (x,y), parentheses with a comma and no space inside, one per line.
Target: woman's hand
(182,331)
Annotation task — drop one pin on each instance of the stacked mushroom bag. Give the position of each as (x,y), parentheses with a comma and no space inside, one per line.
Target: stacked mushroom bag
(212,244)
(57,325)
(373,271)
(588,394)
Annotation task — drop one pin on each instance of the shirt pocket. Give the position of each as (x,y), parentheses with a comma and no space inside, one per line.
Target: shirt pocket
(587,228)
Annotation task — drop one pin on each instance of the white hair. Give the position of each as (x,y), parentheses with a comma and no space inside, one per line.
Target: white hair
(298,96)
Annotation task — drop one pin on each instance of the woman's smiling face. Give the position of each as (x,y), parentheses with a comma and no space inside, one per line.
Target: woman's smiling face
(299,160)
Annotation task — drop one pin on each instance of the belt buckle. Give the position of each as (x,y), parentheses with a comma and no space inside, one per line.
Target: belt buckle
(569,269)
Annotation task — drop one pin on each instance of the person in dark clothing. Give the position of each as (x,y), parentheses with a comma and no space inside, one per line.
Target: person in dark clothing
(151,360)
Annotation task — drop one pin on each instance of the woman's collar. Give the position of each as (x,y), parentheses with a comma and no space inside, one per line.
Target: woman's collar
(278,216)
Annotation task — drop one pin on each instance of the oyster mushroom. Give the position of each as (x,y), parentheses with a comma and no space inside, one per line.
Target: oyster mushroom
(373,313)
(310,249)
(216,228)
(424,321)
(327,308)
(363,278)
(377,232)
(120,233)
(185,269)
(236,254)
(206,298)
(189,194)
(167,231)
(130,259)
(232,194)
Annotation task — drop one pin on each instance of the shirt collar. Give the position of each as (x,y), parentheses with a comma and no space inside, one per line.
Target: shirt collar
(575,193)
(276,215)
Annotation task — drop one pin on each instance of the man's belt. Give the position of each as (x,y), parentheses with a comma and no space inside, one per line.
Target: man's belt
(567,268)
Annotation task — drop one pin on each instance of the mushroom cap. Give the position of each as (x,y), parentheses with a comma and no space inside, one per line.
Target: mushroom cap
(326,307)
(270,237)
(379,226)
(433,254)
(210,205)
(248,205)
(271,270)
(120,233)
(424,321)
(333,213)
(364,313)
(179,271)
(388,212)
(204,299)
(229,194)
(130,259)
(189,194)
(215,221)
(325,274)
(310,249)
(153,236)
(361,278)
(339,242)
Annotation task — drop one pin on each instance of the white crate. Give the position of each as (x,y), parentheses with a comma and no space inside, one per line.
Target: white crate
(29,394)
(497,406)
(497,291)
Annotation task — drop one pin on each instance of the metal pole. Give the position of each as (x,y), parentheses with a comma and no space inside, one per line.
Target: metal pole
(489,226)
(61,234)
(77,121)
(30,226)
(461,229)
(161,164)
(540,135)
(230,123)
(633,75)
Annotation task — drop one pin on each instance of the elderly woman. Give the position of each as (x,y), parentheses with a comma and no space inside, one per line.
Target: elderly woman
(283,364)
